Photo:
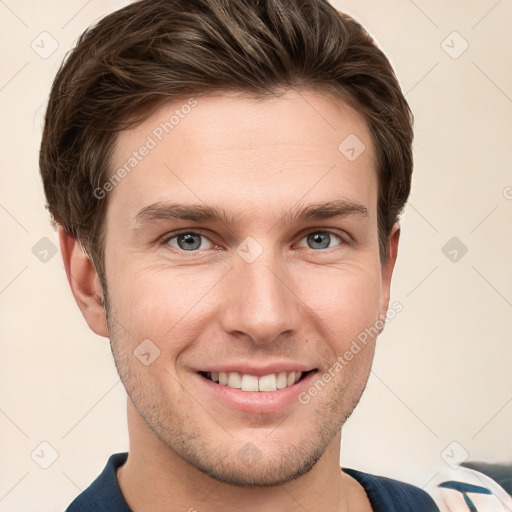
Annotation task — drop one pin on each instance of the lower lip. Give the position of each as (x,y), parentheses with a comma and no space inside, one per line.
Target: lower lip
(257,402)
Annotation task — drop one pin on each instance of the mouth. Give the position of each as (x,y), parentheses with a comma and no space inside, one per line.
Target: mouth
(256,389)
(254,383)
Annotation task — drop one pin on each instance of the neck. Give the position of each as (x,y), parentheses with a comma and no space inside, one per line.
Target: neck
(157,479)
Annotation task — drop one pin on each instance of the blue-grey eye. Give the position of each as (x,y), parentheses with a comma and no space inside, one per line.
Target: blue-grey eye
(320,239)
(189,241)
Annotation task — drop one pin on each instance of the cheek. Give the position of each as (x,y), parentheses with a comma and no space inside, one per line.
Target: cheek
(160,304)
(345,302)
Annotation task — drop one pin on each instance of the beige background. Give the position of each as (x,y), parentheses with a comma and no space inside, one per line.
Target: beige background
(442,372)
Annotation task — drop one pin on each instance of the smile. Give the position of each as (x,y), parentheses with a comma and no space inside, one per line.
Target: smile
(255,394)
(247,382)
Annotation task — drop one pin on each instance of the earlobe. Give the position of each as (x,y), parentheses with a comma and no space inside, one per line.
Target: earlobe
(84,282)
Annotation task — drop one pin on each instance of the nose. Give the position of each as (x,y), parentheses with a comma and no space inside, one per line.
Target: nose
(260,300)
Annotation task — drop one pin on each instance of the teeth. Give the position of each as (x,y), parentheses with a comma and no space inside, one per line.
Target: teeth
(281,381)
(234,380)
(268,382)
(271,382)
(249,383)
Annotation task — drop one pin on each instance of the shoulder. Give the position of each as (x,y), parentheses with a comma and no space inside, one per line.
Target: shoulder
(389,495)
(103,495)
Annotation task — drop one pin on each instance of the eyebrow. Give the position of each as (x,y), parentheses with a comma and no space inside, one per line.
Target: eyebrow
(162,211)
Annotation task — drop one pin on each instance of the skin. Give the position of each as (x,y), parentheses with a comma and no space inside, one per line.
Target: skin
(299,301)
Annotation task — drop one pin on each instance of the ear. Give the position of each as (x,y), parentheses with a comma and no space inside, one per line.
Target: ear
(387,268)
(84,282)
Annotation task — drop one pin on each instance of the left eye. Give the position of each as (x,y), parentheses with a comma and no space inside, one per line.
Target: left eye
(321,239)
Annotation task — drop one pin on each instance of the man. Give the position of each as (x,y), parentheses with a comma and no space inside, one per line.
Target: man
(227,178)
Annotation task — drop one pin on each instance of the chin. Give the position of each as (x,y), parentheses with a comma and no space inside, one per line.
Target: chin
(241,470)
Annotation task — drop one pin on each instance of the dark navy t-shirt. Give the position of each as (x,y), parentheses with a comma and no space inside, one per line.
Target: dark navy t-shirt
(385,494)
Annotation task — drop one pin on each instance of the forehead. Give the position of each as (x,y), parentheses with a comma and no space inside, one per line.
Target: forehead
(261,151)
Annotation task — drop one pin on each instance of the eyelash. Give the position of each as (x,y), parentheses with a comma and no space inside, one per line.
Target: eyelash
(167,239)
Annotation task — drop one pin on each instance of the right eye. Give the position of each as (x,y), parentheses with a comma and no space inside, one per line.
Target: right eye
(187,241)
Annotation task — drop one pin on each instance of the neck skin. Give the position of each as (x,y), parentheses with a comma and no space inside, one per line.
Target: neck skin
(155,478)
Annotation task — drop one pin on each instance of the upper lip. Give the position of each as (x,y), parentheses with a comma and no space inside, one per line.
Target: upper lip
(258,369)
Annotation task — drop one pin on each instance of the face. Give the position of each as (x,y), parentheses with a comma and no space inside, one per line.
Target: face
(241,254)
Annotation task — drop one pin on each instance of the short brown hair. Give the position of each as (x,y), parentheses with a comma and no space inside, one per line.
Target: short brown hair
(153,51)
